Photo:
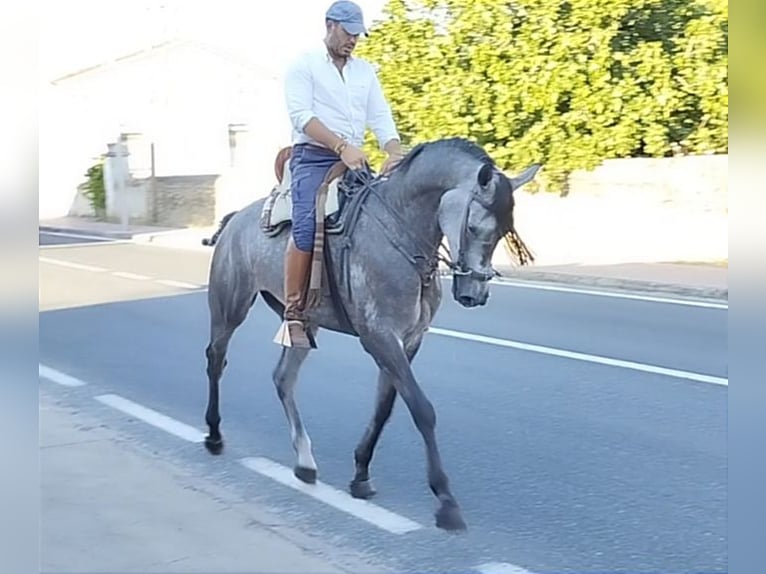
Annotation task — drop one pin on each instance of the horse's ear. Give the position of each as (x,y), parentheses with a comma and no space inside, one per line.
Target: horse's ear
(485,175)
(526,176)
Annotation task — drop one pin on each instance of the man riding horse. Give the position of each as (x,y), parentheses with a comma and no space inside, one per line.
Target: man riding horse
(332,97)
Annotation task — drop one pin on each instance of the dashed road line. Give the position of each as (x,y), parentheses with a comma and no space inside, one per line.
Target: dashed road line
(362,509)
(121,274)
(72,265)
(152,417)
(179,284)
(501,568)
(688,375)
(128,275)
(338,499)
(58,377)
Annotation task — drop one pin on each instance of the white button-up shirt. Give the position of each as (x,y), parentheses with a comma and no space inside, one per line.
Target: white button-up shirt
(346,104)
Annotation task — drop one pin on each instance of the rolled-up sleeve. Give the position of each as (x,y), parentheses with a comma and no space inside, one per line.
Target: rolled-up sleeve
(379,117)
(299,94)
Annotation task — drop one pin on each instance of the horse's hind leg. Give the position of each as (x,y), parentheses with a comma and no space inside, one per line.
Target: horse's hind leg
(361,485)
(223,323)
(285,378)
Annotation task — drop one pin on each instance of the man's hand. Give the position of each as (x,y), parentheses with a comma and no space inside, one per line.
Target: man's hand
(353,157)
(391,161)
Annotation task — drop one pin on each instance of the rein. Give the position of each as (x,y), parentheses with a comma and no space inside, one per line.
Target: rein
(424,248)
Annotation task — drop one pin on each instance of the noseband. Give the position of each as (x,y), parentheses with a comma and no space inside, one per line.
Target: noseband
(461,269)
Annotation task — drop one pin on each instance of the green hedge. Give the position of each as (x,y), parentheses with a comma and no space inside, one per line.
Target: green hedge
(568,84)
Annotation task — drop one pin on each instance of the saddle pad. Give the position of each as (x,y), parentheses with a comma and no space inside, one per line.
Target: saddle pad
(279,208)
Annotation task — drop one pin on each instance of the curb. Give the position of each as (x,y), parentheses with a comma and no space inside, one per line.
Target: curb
(636,286)
(616,283)
(93,232)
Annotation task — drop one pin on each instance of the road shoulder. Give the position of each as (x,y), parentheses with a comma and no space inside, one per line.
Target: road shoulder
(108,505)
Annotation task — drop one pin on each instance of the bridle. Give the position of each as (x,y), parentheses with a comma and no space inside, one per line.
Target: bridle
(460,268)
(428,256)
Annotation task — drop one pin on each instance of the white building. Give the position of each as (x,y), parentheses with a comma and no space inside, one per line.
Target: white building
(205,112)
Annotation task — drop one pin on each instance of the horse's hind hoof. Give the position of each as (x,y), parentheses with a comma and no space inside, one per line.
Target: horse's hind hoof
(214,445)
(307,475)
(448,517)
(362,489)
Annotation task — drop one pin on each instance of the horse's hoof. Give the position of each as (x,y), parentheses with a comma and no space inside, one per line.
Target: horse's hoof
(214,445)
(307,475)
(448,517)
(362,489)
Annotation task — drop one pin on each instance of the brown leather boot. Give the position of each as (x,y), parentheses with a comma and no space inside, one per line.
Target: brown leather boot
(294,332)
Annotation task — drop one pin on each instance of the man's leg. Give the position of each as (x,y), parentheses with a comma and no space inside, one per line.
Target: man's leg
(307,171)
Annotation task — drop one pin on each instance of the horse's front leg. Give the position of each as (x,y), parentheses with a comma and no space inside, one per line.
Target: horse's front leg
(390,355)
(361,485)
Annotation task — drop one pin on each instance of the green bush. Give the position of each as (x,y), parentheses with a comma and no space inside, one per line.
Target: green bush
(94,188)
(568,84)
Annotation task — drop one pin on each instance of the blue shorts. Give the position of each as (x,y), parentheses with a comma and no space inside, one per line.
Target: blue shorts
(308,166)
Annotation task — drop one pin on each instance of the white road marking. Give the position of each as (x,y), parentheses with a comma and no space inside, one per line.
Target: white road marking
(71,265)
(121,274)
(180,284)
(713,304)
(153,417)
(700,378)
(338,499)
(58,377)
(128,275)
(362,509)
(501,568)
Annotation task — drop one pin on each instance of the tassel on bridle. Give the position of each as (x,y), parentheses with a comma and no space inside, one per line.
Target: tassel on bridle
(517,248)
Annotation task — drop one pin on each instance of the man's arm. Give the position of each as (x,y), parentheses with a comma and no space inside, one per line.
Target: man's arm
(318,131)
(299,92)
(393,147)
(381,121)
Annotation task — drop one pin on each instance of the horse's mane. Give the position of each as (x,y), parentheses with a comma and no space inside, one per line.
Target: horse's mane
(448,144)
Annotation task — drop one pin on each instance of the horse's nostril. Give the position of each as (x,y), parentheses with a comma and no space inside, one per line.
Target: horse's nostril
(467,301)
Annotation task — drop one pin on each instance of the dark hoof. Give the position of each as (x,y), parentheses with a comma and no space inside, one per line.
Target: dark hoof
(214,445)
(362,489)
(449,518)
(307,475)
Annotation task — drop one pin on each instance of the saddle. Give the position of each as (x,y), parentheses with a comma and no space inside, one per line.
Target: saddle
(277,209)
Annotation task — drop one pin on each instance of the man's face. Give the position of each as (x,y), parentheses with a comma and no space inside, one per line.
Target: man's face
(341,42)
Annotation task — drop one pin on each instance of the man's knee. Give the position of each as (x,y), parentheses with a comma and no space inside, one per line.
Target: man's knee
(303,226)
(303,238)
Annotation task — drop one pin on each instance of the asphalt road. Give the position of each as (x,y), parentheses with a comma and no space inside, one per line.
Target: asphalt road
(568,463)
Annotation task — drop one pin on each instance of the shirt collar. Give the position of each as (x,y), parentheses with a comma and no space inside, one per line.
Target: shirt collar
(327,56)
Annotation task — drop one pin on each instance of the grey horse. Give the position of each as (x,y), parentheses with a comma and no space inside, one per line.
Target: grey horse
(383,287)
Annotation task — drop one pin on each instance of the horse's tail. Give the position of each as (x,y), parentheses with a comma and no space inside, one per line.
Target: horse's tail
(209,242)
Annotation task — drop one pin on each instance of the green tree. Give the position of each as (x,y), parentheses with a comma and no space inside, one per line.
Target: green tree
(565,83)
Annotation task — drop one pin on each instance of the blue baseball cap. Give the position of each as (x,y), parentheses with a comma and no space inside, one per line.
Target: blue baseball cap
(349,15)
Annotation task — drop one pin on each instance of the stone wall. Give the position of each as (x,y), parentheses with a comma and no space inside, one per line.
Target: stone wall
(183,201)
(631,210)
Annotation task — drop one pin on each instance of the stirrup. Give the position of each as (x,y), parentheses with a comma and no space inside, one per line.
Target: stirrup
(292,333)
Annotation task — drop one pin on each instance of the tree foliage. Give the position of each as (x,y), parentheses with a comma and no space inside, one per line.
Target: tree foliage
(567,83)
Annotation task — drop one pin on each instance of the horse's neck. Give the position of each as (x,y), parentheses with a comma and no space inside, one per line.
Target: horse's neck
(417,210)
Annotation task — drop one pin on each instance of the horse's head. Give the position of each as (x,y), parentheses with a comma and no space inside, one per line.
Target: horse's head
(474,217)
